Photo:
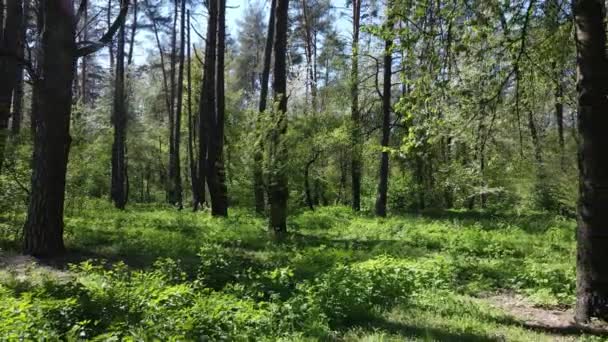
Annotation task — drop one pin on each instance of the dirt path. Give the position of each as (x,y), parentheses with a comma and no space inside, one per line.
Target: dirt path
(554,321)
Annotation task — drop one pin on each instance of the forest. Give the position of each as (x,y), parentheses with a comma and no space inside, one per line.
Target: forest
(304,170)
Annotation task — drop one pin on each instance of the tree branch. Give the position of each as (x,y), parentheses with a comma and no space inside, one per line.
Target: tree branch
(106,39)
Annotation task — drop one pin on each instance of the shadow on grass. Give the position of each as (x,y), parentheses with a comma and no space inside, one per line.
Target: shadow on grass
(407,331)
(532,222)
(569,330)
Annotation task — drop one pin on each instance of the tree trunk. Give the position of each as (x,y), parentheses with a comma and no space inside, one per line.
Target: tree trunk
(173,188)
(278,191)
(258,173)
(119,121)
(8,68)
(84,64)
(386,131)
(207,103)
(357,143)
(191,131)
(592,237)
(43,230)
(111,45)
(175,181)
(559,118)
(17,115)
(216,173)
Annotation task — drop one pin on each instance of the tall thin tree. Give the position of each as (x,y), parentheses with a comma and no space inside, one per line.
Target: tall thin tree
(278,191)
(258,173)
(356,144)
(386,123)
(207,103)
(119,121)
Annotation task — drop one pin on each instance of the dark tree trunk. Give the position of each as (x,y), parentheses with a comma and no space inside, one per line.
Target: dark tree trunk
(111,45)
(119,121)
(17,115)
(174,159)
(84,64)
(216,173)
(357,142)
(559,118)
(8,67)
(592,237)
(173,186)
(386,132)
(310,201)
(43,231)
(258,173)
(207,103)
(191,130)
(278,191)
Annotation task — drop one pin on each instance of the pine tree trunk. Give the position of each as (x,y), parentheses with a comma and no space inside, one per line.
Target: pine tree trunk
(173,172)
(84,64)
(17,115)
(8,68)
(119,121)
(258,158)
(592,236)
(176,195)
(195,187)
(207,103)
(386,132)
(278,191)
(43,230)
(216,174)
(357,142)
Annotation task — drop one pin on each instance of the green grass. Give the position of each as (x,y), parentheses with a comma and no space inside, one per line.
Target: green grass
(153,273)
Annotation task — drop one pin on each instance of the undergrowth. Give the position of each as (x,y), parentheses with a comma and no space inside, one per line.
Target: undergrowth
(155,274)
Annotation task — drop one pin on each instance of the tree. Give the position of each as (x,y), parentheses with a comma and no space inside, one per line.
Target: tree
(356,153)
(174,190)
(175,180)
(386,122)
(9,52)
(258,174)
(43,230)
(195,186)
(207,104)
(278,191)
(592,63)
(216,176)
(119,121)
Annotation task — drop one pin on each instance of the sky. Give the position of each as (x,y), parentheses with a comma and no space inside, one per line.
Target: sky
(235,11)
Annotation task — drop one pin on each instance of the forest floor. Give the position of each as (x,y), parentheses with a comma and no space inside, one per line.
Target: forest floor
(153,273)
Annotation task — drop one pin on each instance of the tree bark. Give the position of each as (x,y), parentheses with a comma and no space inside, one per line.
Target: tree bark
(207,103)
(17,115)
(216,173)
(195,187)
(592,236)
(386,130)
(84,64)
(43,230)
(119,121)
(278,191)
(258,158)
(175,180)
(8,68)
(357,143)
(174,184)
(111,45)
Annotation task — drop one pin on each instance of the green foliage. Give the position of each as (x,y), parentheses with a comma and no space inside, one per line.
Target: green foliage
(188,276)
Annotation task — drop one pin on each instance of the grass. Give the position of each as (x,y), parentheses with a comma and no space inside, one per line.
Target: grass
(153,273)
